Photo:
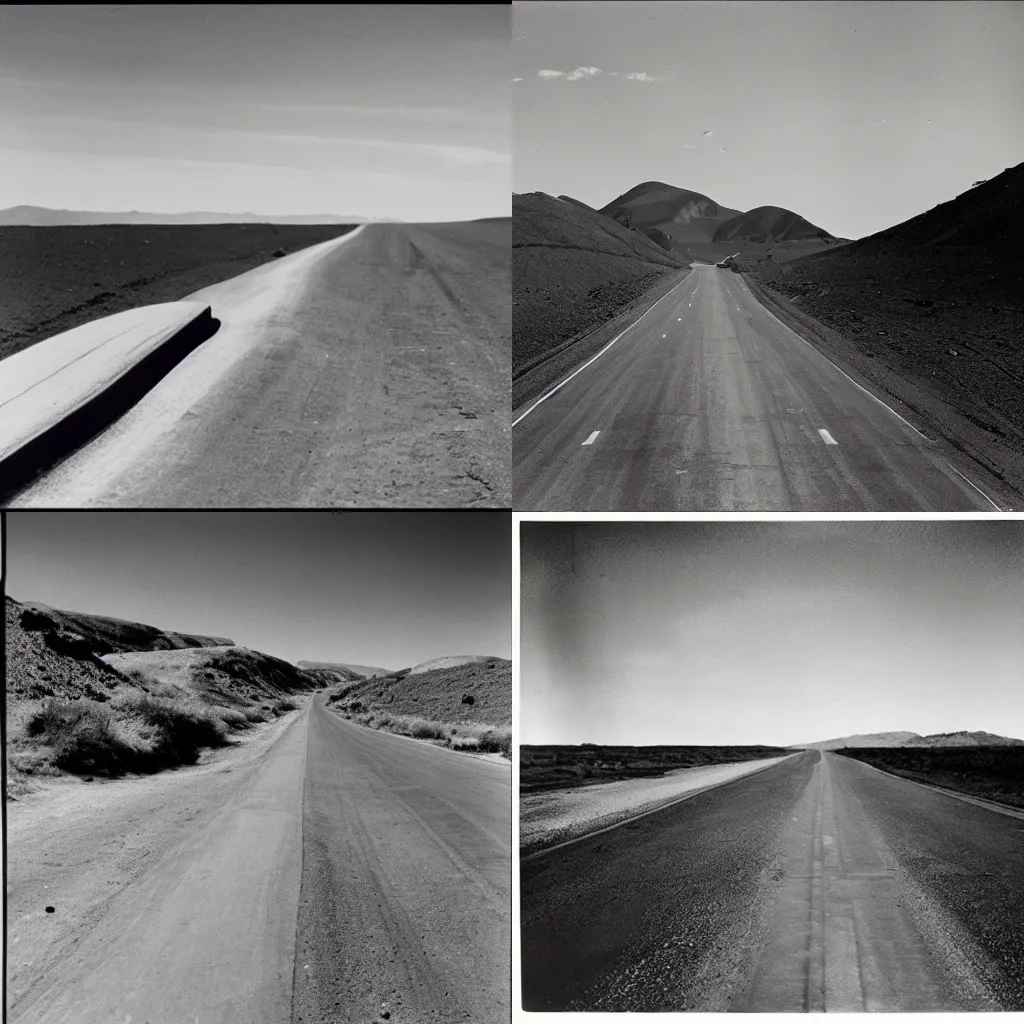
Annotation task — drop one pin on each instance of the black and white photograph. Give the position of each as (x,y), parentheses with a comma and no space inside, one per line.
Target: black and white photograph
(766,256)
(255,255)
(257,767)
(771,766)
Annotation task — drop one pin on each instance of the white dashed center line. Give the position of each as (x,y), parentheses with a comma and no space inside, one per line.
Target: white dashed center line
(827,437)
(592,438)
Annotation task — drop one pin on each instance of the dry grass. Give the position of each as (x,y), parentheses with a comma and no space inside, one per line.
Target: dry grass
(134,733)
(464,736)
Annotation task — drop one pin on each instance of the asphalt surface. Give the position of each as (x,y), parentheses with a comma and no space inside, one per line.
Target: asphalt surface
(370,370)
(816,885)
(323,872)
(709,403)
(406,881)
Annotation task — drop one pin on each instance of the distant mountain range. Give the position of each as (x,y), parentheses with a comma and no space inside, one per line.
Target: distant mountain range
(912,739)
(687,216)
(41,216)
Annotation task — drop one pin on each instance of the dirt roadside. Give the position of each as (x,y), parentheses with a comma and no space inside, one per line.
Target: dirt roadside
(130,867)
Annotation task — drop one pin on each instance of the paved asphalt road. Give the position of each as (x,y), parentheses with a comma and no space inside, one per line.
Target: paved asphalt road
(819,884)
(369,370)
(406,881)
(323,872)
(709,403)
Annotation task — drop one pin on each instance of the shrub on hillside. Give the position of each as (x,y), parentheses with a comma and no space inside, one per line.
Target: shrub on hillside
(181,729)
(285,704)
(422,729)
(233,719)
(255,715)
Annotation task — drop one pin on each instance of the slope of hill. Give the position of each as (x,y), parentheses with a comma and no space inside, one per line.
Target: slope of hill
(41,216)
(768,223)
(452,661)
(912,739)
(233,677)
(683,215)
(106,635)
(477,691)
(351,671)
(82,700)
(875,739)
(571,270)
(931,311)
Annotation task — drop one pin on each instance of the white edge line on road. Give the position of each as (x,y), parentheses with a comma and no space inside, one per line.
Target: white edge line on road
(592,438)
(839,368)
(827,437)
(593,359)
(976,487)
(978,801)
(653,810)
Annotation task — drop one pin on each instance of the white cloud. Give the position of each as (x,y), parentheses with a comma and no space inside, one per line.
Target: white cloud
(640,76)
(708,134)
(516,79)
(571,76)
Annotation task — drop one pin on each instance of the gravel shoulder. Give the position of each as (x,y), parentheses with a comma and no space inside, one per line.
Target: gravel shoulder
(559,816)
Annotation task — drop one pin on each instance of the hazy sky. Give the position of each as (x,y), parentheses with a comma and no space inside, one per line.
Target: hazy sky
(856,115)
(776,633)
(375,110)
(384,588)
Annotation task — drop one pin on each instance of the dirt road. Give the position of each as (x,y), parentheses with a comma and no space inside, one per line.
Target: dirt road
(709,403)
(176,898)
(818,884)
(368,370)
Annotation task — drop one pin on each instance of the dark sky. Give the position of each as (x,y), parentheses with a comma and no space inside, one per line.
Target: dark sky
(855,114)
(388,588)
(378,110)
(777,633)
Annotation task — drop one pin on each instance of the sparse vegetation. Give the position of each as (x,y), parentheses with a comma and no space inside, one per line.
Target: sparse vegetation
(134,733)
(464,736)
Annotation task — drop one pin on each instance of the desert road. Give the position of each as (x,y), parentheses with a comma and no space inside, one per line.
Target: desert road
(709,403)
(819,884)
(369,370)
(322,872)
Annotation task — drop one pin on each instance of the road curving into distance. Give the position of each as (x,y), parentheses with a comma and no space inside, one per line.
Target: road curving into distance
(819,884)
(321,873)
(369,369)
(710,403)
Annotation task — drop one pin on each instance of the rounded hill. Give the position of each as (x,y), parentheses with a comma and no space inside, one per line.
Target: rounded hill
(768,224)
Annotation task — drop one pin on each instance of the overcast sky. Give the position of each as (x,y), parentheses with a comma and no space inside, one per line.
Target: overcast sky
(383,588)
(374,110)
(856,115)
(775,633)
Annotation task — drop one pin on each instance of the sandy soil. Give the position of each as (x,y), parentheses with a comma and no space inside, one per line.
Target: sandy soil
(96,852)
(55,278)
(546,819)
